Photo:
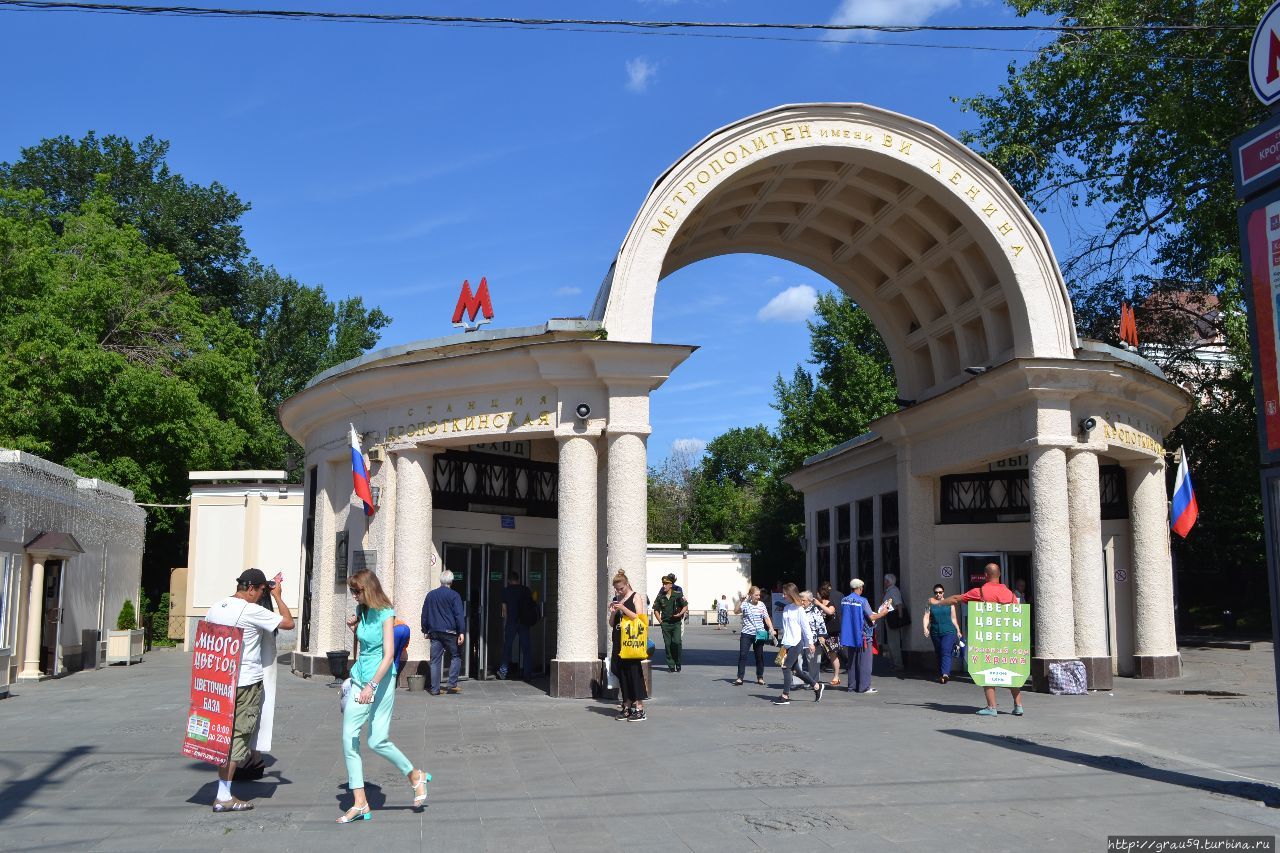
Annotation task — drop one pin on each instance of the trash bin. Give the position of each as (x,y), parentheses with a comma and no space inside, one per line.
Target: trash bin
(338,665)
(417,683)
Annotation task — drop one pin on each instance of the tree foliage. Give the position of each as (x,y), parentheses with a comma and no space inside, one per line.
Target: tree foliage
(140,338)
(109,365)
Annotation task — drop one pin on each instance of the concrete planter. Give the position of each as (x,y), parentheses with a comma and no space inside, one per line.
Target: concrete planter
(125,646)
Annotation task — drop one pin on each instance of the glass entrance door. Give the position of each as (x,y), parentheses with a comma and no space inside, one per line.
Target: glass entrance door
(467,564)
(480,575)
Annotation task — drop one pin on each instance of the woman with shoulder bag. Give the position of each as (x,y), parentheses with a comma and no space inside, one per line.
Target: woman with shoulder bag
(831,639)
(795,636)
(756,629)
(629,619)
(372,695)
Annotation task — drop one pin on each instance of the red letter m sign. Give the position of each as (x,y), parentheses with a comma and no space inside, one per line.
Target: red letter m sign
(473,305)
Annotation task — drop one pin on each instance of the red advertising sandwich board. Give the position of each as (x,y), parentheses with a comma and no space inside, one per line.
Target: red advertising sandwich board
(215,669)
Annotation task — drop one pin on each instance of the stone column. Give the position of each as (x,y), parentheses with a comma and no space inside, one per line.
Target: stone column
(35,620)
(412,539)
(1155,642)
(1088,574)
(628,507)
(328,632)
(576,662)
(1053,611)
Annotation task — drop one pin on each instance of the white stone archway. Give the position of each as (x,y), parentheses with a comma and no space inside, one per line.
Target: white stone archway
(925,235)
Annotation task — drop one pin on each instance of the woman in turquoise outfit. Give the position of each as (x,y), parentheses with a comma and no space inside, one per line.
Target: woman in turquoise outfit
(941,626)
(373,694)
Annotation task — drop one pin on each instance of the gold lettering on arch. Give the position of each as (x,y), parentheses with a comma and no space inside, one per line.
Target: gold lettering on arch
(702,176)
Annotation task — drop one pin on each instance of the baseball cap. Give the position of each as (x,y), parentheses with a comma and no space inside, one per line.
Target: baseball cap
(252,577)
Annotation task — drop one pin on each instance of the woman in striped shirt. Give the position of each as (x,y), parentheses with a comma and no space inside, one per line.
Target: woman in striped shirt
(756,628)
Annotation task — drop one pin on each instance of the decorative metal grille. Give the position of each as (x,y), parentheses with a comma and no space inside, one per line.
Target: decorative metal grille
(479,482)
(1114,492)
(987,497)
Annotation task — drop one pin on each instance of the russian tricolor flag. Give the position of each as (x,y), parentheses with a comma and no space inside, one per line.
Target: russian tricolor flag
(1184,512)
(360,473)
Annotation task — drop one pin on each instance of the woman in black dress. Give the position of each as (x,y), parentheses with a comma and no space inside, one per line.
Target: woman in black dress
(630,671)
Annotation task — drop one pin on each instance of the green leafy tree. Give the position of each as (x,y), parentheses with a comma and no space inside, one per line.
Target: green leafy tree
(1124,133)
(853,383)
(109,366)
(145,339)
(198,225)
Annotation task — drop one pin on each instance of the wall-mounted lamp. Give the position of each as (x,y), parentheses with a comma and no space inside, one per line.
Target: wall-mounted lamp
(976,371)
(376,492)
(1088,424)
(583,411)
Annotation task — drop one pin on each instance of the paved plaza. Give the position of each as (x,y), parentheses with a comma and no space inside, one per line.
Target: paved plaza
(91,762)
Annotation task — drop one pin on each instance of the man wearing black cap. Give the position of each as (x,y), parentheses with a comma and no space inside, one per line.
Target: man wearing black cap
(243,611)
(669,609)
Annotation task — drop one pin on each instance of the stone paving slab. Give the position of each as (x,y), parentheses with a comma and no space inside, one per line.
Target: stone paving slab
(91,762)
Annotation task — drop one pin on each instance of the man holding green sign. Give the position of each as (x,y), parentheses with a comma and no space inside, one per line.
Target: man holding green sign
(999,629)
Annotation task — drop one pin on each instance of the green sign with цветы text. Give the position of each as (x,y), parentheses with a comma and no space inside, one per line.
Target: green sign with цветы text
(999,644)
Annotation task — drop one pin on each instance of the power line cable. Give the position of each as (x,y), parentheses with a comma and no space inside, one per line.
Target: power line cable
(639,28)
(592,24)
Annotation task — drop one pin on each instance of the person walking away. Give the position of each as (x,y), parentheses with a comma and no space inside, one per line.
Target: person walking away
(628,604)
(857,623)
(669,610)
(373,694)
(831,640)
(997,593)
(795,637)
(898,619)
(757,628)
(518,608)
(243,611)
(722,612)
(444,623)
(941,626)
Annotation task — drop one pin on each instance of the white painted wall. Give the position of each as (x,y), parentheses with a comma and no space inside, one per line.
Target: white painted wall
(704,572)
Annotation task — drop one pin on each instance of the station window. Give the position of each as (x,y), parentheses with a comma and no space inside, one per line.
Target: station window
(823,556)
(844,566)
(866,562)
(889,560)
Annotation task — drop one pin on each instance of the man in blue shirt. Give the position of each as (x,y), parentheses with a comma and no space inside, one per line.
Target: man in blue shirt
(856,621)
(444,622)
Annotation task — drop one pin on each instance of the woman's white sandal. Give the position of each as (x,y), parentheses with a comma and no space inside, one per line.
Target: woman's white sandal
(423,779)
(356,813)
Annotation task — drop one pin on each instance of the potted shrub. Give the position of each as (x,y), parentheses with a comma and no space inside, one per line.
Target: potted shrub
(124,645)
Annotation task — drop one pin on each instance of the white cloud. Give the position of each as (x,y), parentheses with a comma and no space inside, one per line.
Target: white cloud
(690,446)
(790,306)
(568,291)
(881,12)
(639,72)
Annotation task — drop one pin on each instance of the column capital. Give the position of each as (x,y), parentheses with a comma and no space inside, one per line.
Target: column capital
(642,430)
(406,449)
(593,429)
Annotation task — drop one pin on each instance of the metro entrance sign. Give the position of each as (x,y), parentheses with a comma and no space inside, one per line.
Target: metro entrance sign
(1264,57)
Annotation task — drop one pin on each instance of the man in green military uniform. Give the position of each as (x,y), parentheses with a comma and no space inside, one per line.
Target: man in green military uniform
(669,609)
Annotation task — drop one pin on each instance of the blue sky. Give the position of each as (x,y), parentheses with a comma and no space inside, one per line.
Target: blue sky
(393,162)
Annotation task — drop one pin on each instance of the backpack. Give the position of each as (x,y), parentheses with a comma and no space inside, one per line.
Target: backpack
(529,614)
